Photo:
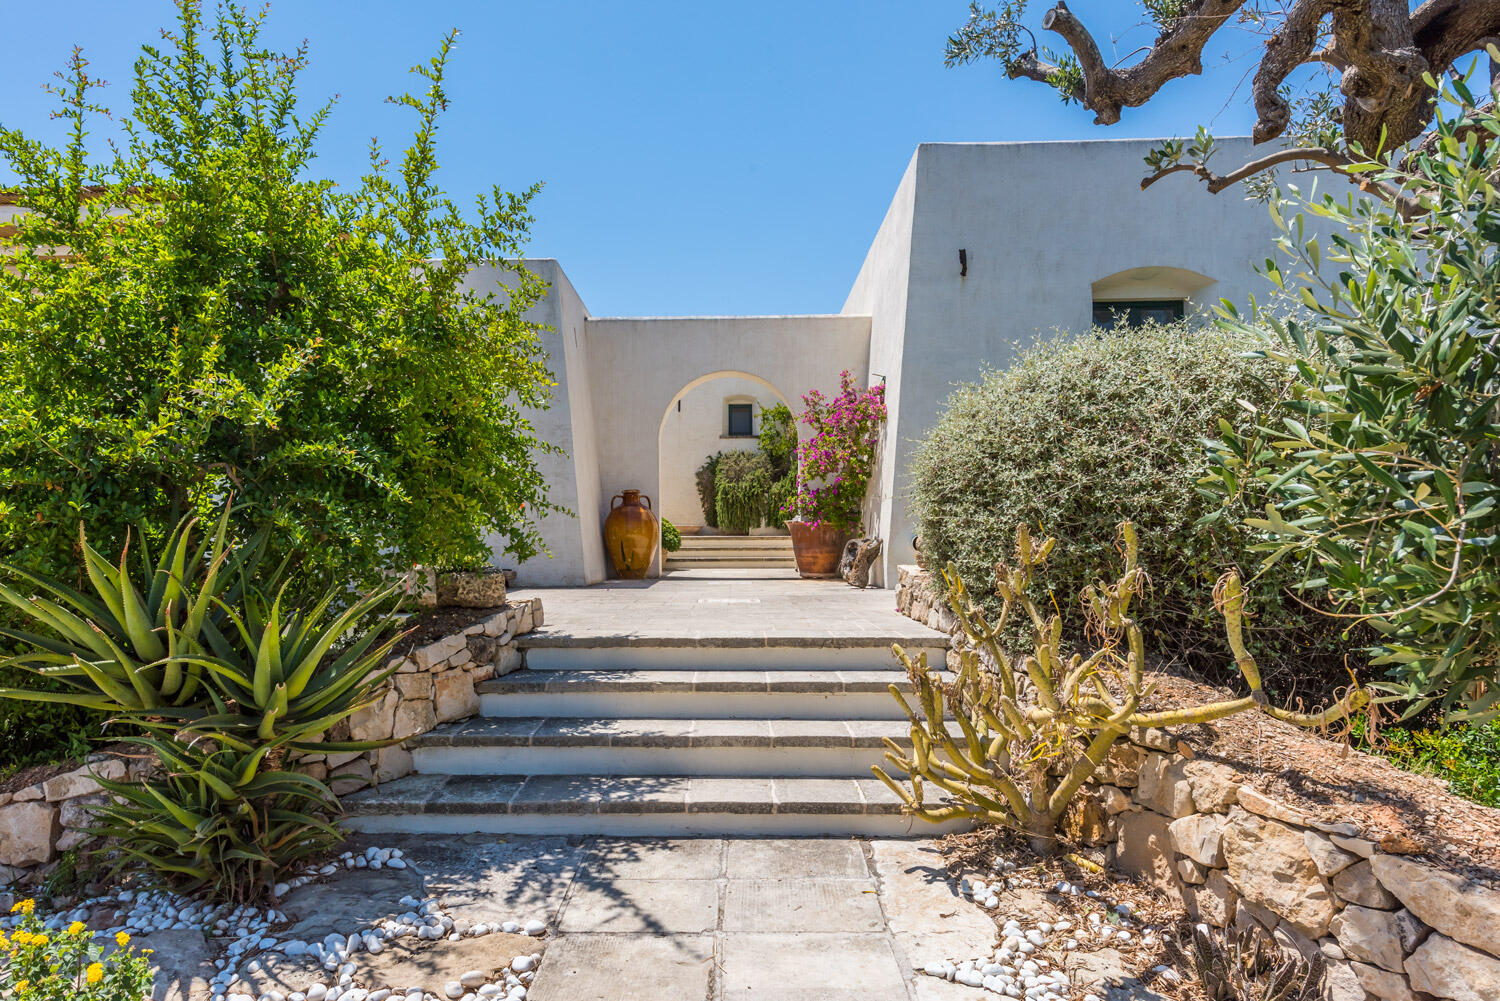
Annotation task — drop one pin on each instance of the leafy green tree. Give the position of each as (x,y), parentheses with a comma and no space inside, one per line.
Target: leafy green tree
(1380,472)
(197,313)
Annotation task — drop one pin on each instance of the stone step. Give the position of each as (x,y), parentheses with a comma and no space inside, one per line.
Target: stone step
(661,747)
(634,805)
(692,543)
(695,694)
(754,651)
(730,561)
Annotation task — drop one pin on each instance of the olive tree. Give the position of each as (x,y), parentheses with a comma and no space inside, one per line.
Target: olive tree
(1337,81)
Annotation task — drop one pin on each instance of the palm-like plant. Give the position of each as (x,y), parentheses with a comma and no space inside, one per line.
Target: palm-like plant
(225,684)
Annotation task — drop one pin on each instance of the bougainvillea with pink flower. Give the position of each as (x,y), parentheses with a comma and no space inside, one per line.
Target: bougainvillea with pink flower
(835,463)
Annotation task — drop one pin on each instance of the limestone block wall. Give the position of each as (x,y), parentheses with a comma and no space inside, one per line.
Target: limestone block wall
(1389,927)
(433,684)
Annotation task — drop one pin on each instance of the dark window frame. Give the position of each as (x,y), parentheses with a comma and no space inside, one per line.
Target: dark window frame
(745,410)
(1109,313)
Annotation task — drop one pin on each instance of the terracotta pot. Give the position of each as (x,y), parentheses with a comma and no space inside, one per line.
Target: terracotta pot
(817,549)
(631,534)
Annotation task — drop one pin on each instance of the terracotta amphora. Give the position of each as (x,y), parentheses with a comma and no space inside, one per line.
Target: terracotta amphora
(631,534)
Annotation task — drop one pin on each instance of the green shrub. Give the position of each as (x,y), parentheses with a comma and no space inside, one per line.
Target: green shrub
(778,439)
(1379,477)
(742,487)
(671,538)
(780,499)
(1082,433)
(1465,755)
(44,964)
(247,326)
(706,496)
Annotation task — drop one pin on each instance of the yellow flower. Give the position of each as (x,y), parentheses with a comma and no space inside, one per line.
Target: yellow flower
(122,939)
(24,906)
(95,973)
(76,928)
(21,986)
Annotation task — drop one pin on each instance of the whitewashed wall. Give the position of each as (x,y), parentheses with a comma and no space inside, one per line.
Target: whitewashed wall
(1041,223)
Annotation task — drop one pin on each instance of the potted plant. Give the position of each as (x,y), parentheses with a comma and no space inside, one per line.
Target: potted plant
(834,467)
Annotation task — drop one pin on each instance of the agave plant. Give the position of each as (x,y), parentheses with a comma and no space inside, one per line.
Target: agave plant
(218,819)
(122,649)
(1243,965)
(224,683)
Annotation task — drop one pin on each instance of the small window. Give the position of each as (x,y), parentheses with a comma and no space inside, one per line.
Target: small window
(741,420)
(1136,312)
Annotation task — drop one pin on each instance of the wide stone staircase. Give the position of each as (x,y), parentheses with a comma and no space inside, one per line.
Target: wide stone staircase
(720,735)
(732,552)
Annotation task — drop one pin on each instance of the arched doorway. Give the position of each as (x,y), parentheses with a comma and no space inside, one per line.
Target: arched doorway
(715,413)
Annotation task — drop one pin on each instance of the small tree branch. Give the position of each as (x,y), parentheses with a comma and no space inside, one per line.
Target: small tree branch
(1330,158)
(1178,52)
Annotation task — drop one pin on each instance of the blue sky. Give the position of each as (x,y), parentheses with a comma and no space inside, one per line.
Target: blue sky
(698,157)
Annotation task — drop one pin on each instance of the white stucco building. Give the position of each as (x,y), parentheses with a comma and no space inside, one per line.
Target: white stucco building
(985,246)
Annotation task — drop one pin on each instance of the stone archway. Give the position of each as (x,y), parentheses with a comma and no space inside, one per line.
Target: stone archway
(690,431)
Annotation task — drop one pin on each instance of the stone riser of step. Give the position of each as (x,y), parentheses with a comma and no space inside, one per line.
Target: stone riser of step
(672,762)
(691,542)
(634,805)
(809,695)
(746,562)
(738,654)
(693,705)
(653,825)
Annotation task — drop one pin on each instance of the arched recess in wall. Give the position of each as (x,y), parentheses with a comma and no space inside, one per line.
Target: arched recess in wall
(1151,283)
(679,458)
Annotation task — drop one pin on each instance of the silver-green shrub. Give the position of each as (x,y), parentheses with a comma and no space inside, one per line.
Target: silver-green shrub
(1082,433)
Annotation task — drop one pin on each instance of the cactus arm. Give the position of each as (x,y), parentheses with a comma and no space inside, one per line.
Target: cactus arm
(1353,701)
(1191,714)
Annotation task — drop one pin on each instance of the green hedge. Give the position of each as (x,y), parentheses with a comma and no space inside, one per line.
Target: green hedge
(1082,433)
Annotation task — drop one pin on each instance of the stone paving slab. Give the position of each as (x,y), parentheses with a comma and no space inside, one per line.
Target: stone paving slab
(811,967)
(681,611)
(655,906)
(755,859)
(628,858)
(800,904)
(625,968)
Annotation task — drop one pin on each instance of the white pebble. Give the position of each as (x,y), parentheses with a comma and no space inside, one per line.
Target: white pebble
(454,989)
(522,964)
(472,978)
(534,927)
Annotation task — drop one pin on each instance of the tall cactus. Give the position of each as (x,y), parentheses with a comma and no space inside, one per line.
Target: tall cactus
(1033,734)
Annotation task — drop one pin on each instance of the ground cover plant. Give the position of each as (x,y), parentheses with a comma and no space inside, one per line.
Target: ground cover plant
(223,680)
(250,327)
(1083,432)
(41,964)
(1036,728)
(1377,478)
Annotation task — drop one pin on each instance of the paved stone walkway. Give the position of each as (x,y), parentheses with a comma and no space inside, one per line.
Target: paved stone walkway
(714,919)
(718,610)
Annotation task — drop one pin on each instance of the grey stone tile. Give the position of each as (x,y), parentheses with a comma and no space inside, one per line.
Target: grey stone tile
(652,858)
(484,732)
(809,733)
(874,681)
(625,968)
(872,732)
(730,681)
(817,796)
(730,795)
(641,794)
(407,795)
(879,797)
(731,733)
(751,858)
(802,904)
(474,794)
(810,967)
(557,794)
(654,906)
(805,681)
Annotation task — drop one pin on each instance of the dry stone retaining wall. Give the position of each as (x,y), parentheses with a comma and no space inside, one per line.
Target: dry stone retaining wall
(1389,927)
(433,684)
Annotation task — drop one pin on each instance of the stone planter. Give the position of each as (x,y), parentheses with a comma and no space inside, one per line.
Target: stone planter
(484,588)
(817,549)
